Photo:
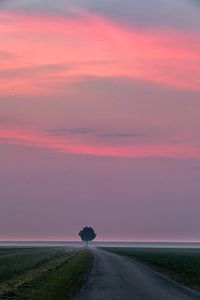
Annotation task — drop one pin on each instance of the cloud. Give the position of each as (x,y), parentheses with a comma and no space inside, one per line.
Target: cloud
(33,70)
(71,131)
(7,55)
(49,55)
(122,135)
(149,13)
(69,145)
(143,13)
(94,132)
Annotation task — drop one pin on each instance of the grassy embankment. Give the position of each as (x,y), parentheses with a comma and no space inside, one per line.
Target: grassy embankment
(42,273)
(182,265)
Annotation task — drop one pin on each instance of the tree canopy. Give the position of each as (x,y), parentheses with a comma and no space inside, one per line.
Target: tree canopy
(87,234)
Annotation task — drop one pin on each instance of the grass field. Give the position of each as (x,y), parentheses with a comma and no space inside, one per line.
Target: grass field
(182,265)
(42,273)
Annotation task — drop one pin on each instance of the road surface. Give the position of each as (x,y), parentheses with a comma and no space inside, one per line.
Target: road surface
(114,277)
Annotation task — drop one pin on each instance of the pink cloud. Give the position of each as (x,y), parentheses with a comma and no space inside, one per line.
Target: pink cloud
(76,146)
(93,46)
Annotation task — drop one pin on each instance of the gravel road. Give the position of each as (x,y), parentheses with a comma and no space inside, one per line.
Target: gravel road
(114,277)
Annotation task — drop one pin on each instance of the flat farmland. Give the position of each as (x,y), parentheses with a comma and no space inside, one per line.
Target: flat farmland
(42,273)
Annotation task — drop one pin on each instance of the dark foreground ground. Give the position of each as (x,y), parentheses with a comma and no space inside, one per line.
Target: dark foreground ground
(117,273)
(42,273)
(116,277)
(183,265)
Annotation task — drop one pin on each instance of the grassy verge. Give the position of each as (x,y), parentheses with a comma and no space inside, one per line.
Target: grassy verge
(182,265)
(8,251)
(18,261)
(59,279)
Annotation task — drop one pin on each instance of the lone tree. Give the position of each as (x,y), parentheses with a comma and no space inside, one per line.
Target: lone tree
(87,234)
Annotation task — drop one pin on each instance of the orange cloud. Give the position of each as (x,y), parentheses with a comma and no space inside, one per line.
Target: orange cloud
(92,46)
(75,146)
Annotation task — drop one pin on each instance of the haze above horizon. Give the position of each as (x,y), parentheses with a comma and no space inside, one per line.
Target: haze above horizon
(99,119)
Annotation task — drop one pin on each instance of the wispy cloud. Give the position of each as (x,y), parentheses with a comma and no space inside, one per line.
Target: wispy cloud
(7,55)
(95,132)
(122,135)
(158,55)
(72,131)
(77,146)
(43,69)
(37,139)
(142,13)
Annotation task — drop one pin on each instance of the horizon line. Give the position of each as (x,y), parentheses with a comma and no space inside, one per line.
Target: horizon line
(102,241)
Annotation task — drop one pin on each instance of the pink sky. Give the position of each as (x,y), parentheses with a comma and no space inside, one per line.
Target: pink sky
(85,86)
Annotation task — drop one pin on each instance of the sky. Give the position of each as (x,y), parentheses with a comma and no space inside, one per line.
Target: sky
(99,119)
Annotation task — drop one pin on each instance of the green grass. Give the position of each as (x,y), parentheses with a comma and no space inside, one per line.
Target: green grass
(16,261)
(58,278)
(64,282)
(7,251)
(181,264)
